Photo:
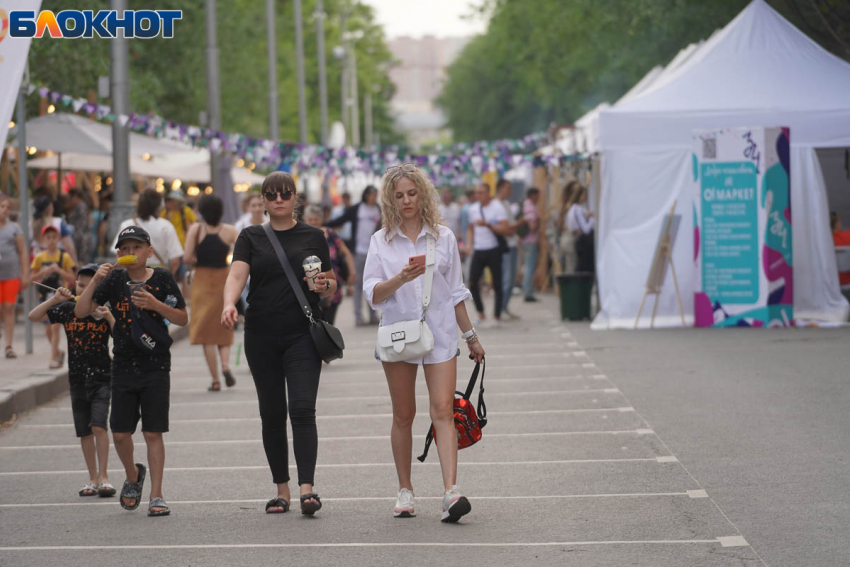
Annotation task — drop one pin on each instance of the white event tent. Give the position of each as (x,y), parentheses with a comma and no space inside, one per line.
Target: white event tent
(757,71)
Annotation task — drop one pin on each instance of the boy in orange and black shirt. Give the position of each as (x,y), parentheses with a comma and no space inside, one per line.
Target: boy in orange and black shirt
(88,374)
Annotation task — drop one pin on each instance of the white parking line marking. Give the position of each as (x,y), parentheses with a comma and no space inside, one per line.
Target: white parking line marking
(345,438)
(733,541)
(697,493)
(365,465)
(359,544)
(385,397)
(668,459)
(354,416)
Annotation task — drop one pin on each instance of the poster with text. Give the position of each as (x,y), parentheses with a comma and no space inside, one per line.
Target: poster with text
(742,228)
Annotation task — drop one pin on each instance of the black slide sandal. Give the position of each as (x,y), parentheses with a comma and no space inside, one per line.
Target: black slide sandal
(277,503)
(229,380)
(133,489)
(310,508)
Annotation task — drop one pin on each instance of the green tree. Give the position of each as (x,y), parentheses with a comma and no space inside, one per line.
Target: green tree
(549,61)
(168,76)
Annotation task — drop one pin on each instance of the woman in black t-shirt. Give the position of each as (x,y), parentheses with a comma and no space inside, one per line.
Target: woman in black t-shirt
(278,344)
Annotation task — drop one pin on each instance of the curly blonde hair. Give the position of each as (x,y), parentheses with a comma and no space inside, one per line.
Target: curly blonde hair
(429,200)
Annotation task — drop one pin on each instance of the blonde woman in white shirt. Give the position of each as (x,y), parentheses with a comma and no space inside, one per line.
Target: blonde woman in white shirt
(409,203)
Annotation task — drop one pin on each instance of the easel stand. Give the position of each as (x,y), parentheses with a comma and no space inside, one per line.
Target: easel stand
(663,256)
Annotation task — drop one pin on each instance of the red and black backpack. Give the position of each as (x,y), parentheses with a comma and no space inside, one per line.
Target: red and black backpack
(467,422)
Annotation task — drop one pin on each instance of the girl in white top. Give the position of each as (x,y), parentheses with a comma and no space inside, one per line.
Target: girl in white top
(409,204)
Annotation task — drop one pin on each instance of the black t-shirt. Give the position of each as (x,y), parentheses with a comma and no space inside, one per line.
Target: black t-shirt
(114,289)
(88,345)
(272,305)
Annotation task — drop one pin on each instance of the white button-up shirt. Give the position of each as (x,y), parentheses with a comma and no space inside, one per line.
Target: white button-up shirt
(386,259)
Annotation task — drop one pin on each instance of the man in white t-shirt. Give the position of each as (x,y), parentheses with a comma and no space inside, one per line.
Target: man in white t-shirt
(167,250)
(365,219)
(487,222)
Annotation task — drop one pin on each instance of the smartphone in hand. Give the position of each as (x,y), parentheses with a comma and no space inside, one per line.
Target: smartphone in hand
(420,260)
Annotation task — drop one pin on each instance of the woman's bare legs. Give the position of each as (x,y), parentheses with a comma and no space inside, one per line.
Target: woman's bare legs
(224,355)
(442,382)
(212,362)
(401,379)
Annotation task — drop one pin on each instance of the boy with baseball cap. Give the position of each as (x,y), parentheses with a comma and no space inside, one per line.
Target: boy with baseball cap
(89,375)
(141,299)
(52,267)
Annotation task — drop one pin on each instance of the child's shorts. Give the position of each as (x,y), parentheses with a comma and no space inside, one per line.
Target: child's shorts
(145,396)
(90,407)
(9,290)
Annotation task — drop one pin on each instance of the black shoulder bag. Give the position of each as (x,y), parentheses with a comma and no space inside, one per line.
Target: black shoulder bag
(326,337)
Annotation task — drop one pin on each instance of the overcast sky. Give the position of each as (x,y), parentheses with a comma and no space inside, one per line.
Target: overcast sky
(416,18)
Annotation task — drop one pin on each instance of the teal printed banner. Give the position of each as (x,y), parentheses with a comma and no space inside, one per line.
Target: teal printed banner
(729,211)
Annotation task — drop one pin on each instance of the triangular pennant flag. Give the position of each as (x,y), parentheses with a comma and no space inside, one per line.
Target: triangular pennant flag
(122,120)
(78,104)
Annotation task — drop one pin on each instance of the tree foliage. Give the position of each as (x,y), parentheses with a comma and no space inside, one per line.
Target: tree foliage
(549,61)
(168,76)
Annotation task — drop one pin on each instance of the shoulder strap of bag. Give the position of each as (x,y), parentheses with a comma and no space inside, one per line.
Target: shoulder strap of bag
(430,264)
(290,275)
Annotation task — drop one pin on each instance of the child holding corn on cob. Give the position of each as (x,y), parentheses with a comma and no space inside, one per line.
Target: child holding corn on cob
(140,298)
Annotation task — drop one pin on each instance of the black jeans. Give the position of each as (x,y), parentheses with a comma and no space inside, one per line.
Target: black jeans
(278,363)
(486,259)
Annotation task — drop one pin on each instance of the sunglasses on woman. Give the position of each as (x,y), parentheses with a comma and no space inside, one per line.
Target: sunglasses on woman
(285,194)
(405,167)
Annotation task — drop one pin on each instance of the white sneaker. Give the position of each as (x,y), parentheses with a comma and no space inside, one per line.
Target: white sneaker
(454,506)
(404,504)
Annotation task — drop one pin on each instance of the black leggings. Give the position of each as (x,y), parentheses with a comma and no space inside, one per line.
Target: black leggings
(279,362)
(486,259)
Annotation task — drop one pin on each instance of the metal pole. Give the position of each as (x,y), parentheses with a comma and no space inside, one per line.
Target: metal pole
(272,49)
(213,91)
(122,207)
(24,196)
(323,78)
(343,108)
(355,103)
(299,55)
(367,117)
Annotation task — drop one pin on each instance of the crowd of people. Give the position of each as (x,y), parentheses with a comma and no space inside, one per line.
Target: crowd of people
(373,250)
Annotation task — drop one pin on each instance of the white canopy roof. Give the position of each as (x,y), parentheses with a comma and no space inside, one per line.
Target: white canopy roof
(61,132)
(188,166)
(760,71)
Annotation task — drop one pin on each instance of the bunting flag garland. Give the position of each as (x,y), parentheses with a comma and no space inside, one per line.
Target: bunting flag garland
(456,164)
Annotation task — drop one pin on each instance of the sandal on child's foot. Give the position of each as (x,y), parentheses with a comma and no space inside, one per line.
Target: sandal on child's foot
(162,507)
(229,380)
(10,353)
(105,490)
(277,506)
(309,508)
(215,387)
(88,490)
(133,489)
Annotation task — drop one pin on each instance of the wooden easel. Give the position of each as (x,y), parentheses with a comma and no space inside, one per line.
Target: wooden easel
(663,255)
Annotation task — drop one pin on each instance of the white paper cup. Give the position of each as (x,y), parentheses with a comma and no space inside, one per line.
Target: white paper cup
(312,271)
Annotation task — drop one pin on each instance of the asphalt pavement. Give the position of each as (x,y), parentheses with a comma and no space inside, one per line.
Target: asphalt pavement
(568,473)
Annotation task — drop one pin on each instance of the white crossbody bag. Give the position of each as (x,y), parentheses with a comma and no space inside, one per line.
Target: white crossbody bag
(407,340)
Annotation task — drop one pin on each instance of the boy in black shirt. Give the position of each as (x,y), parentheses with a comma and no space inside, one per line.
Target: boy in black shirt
(141,299)
(88,373)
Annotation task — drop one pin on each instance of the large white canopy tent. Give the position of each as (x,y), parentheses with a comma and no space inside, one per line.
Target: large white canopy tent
(757,71)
